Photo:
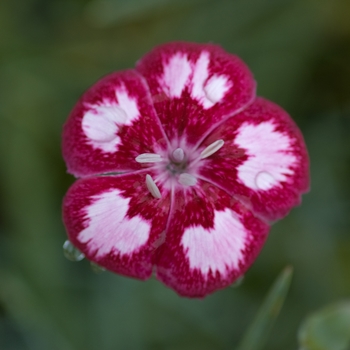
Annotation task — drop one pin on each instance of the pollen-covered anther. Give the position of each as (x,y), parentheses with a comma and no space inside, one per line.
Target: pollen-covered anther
(212,148)
(148,158)
(152,187)
(187,179)
(178,155)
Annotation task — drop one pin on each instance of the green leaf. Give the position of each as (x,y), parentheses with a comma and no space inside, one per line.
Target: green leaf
(104,13)
(34,323)
(256,335)
(327,329)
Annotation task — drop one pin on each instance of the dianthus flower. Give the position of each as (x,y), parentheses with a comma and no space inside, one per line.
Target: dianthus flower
(181,168)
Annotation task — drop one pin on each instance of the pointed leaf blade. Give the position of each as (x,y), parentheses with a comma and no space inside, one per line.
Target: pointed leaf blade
(256,334)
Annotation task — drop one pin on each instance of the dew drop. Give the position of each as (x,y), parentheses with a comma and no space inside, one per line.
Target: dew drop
(264,180)
(72,253)
(97,268)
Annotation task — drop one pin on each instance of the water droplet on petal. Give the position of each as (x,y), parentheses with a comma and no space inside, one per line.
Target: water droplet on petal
(264,180)
(97,268)
(72,253)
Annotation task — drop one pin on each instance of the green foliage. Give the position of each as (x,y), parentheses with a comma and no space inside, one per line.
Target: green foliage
(327,329)
(50,52)
(257,333)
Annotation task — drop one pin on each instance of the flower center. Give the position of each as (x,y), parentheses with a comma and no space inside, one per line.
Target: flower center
(178,155)
(177,167)
(177,162)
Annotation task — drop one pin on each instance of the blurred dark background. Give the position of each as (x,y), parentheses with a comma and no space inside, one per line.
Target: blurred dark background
(50,52)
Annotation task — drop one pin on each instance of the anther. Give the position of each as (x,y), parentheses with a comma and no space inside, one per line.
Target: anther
(212,148)
(152,187)
(148,158)
(187,179)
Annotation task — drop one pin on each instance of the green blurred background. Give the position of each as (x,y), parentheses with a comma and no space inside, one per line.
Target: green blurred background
(50,52)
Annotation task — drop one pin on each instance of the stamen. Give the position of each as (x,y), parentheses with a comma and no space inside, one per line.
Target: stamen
(187,179)
(152,187)
(148,158)
(212,148)
(178,155)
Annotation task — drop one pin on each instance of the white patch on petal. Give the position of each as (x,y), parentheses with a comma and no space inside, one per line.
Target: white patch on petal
(175,75)
(108,227)
(216,88)
(208,91)
(102,121)
(100,125)
(129,105)
(216,249)
(177,72)
(270,160)
(200,75)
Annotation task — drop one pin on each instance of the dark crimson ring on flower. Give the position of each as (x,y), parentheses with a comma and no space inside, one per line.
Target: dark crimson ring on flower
(181,168)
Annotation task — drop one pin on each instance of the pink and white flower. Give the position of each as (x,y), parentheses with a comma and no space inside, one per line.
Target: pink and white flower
(181,168)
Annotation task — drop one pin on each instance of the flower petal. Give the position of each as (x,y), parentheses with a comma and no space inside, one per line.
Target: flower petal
(211,241)
(113,122)
(116,222)
(195,86)
(263,162)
